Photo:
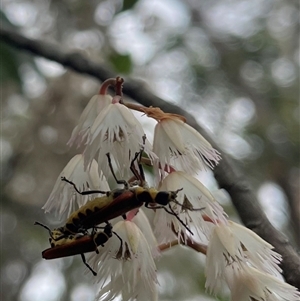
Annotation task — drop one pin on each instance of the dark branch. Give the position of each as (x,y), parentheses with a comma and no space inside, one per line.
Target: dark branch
(228,178)
(53,52)
(254,218)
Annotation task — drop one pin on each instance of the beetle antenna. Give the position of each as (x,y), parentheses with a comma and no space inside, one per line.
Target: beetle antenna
(46,227)
(187,207)
(172,212)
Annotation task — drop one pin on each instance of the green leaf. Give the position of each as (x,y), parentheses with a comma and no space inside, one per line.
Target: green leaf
(9,64)
(121,63)
(128,4)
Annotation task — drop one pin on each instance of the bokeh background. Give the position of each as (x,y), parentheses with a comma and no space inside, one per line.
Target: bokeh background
(233,64)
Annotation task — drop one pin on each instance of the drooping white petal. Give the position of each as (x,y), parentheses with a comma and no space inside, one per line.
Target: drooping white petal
(223,249)
(259,251)
(143,224)
(197,195)
(179,145)
(117,288)
(125,268)
(235,246)
(87,118)
(193,197)
(63,198)
(246,282)
(163,223)
(115,131)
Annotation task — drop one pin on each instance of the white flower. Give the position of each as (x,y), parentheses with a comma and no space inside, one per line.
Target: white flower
(163,225)
(181,146)
(247,283)
(232,243)
(87,118)
(142,222)
(121,285)
(118,132)
(63,198)
(126,268)
(193,196)
(258,252)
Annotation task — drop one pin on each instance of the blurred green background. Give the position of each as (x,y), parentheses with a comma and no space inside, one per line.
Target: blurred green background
(233,64)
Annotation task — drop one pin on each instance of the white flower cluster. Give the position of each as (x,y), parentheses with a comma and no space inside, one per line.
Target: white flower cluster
(125,265)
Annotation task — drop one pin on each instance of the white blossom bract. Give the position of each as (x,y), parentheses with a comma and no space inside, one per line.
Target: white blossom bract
(247,283)
(181,146)
(126,269)
(111,291)
(258,252)
(163,225)
(142,222)
(115,131)
(63,198)
(233,243)
(87,118)
(193,197)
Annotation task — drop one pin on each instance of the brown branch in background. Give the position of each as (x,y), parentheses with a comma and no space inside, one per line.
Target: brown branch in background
(254,218)
(291,190)
(228,55)
(52,51)
(225,173)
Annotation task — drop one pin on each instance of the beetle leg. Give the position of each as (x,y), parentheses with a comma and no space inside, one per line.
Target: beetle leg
(113,173)
(138,157)
(83,192)
(87,265)
(121,241)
